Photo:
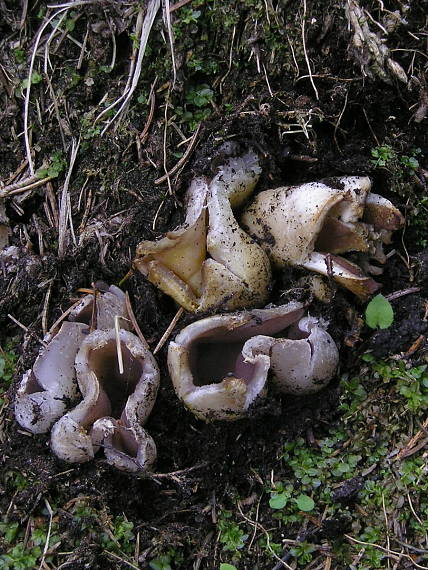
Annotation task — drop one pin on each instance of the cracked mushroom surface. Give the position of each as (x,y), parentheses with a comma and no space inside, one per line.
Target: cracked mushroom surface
(219,365)
(46,390)
(210,261)
(116,403)
(311,224)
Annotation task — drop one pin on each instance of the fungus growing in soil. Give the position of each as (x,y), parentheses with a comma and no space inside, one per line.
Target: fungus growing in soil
(46,391)
(310,224)
(219,365)
(116,403)
(210,261)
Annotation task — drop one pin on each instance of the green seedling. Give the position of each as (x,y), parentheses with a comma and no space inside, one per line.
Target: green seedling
(57,164)
(382,155)
(379,313)
(232,536)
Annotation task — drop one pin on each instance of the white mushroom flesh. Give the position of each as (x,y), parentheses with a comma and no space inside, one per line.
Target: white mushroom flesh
(210,261)
(309,224)
(115,405)
(219,365)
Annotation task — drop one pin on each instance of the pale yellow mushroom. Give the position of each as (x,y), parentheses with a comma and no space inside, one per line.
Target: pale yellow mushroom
(210,261)
(219,365)
(310,224)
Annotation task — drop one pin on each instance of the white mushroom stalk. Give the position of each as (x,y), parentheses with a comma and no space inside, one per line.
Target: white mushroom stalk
(219,365)
(310,224)
(115,403)
(47,390)
(210,261)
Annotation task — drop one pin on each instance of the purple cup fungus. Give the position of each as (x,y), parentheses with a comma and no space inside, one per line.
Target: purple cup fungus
(209,261)
(219,365)
(46,391)
(311,224)
(118,378)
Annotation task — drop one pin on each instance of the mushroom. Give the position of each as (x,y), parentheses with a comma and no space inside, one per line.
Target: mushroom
(219,365)
(310,224)
(210,261)
(116,403)
(46,391)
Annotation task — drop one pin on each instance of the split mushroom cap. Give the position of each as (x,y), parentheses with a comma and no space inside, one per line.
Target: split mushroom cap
(115,404)
(219,365)
(310,224)
(210,261)
(45,391)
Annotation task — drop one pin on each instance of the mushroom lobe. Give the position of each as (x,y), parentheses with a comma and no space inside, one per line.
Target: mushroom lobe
(219,365)
(115,405)
(310,224)
(210,261)
(47,390)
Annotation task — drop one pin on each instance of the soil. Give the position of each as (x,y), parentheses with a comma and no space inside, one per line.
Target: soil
(201,468)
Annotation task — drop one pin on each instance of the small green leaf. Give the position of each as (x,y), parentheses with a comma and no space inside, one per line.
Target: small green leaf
(224,566)
(277,501)
(379,313)
(305,503)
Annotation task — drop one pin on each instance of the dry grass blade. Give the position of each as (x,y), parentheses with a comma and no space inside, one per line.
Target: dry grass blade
(306,53)
(183,159)
(169,330)
(410,447)
(390,553)
(65,205)
(27,91)
(118,344)
(134,321)
(166,9)
(149,19)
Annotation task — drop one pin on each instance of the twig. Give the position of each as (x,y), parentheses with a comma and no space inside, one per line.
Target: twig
(152,98)
(169,330)
(23,327)
(178,5)
(23,185)
(389,552)
(415,439)
(183,159)
(63,316)
(388,543)
(45,309)
(18,171)
(116,557)
(255,524)
(402,293)
(176,474)
(133,320)
(48,534)
(165,131)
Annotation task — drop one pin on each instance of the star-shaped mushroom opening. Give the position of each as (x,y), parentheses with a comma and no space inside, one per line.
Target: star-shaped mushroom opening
(310,224)
(47,390)
(118,378)
(219,365)
(210,261)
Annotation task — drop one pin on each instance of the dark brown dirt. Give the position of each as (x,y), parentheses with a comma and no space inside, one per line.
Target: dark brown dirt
(216,463)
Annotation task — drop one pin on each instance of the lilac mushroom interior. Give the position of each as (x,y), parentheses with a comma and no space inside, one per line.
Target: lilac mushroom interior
(219,366)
